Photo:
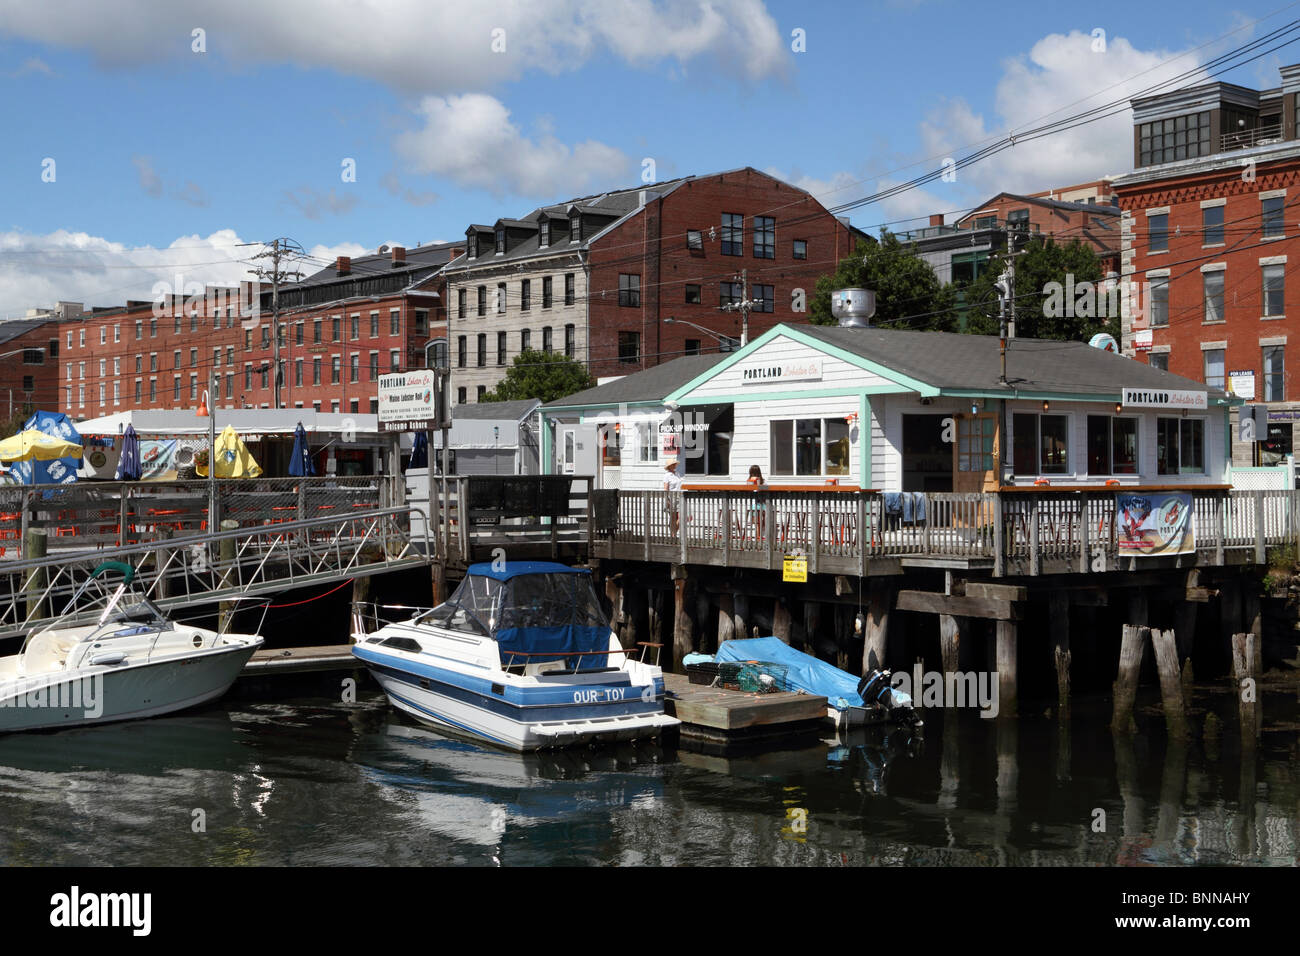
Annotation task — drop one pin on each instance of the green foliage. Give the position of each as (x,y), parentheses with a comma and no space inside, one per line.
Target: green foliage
(1282,566)
(1042,262)
(543,375)
(908,293)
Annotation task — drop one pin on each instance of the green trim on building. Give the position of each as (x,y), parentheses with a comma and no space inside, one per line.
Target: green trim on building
(548,443)
(864,441)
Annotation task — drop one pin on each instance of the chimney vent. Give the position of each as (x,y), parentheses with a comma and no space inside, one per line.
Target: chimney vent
(936,219)
(399,256)
(343,265)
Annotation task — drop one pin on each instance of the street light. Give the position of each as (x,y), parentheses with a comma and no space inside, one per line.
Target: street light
(726,342)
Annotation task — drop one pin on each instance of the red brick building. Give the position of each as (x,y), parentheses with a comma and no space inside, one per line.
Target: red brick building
(1210,235)
(601,276)
(29,355)
(1096,225)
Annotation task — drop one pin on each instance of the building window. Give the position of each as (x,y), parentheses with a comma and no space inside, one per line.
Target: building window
(525,339)
(462,351)
(729,294)
(194,358)
(153,329)
(525,294)
(570,341)
(543,233)
(421,323)
(692,346)
(1179,137)
(354,367)
(501,348)
(153,361)
(1212,225)
(230,385)
(801,248)
(1112,445)
(647,447)
(501,240)
(1213,284)
(81,370)
(1274,289)
(1158,233)
(629,290)
(1041,444)
(965,267)
(266,336)
(501,298)
(460,305)
(1159,291)
(315,371)
(153,390)
(81,337)
(230,355)
(461,396)
(1274,373)
(568,288)
(695,240)
(336,368)
(176,389)
(103,334)
(547,341)
(471,245)
(629,347)
(264,370)
(1271,213)
(733,234)
(176,359)
(315,332)
(28,385)
(395,360)
(482,350)
(374,366)
(1180,446)
(547,298)
(764,300)
(297,373)
(33,357)
(692,293)
(764,237)
(575,228)
(480,392)
(395,321)
(194,387)
(1213,367)
(809,446)
(335,321)
(356,326)
(139,390)
(297,333)
(482,301)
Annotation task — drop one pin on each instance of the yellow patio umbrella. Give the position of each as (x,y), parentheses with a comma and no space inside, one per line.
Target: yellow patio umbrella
(33,445)
(232,457)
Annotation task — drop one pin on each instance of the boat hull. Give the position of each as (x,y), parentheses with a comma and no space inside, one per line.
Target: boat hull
(103,694)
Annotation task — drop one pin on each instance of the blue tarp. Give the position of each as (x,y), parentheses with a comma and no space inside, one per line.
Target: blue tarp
(802,671)
(58,471)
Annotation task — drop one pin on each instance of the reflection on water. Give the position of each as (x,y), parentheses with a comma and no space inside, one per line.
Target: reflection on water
(319,783)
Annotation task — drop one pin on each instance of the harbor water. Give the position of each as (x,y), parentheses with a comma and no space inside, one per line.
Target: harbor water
(314,781)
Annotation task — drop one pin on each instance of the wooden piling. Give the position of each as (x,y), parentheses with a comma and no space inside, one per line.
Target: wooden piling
(35,543)
(726,618)
(1185,629)
(226,611)
(781,620)
(1171,685)
(360,599)
(880,598)
(683,636)
(1006,658)
(1254,624)
(161,557)
(951,629)
(1126,682)
(438,581)
(740,618)
(1243,669)
(1060,623)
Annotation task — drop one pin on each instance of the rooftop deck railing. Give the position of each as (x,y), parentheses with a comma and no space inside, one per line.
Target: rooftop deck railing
(1246,138)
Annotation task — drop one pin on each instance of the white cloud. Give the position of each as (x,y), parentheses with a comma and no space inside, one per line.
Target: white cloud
(414,45)
(471,140)
(313,204)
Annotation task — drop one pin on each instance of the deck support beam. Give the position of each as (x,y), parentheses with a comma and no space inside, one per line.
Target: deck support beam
(683,634)
(880,600)
(1006,658)
(1060,623)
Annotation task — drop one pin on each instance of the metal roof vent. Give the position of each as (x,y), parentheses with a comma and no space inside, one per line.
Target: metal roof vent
(853,307)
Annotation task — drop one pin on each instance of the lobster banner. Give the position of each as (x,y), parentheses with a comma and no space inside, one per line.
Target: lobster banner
(1154,523)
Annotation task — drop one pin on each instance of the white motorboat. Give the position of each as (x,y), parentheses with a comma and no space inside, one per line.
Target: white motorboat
(115,656)
(521,656)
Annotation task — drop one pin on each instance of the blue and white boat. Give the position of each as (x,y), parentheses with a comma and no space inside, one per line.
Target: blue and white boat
(522,656)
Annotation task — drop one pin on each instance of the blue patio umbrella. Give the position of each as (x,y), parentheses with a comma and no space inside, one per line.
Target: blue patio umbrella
(300,463)
(128,463)
(419,451)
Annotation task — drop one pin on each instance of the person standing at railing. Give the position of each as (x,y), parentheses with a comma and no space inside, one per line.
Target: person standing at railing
(673,498)
(757,506)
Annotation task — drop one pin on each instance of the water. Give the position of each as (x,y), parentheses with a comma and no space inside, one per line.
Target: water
(310,782)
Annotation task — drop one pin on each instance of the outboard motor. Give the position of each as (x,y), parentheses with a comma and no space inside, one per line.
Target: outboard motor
(875,691)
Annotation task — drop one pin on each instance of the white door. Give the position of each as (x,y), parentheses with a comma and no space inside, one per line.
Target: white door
(568,449)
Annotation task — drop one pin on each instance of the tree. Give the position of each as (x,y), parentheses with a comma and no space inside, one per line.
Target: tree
(908,293)
(543,375)
(1045,271)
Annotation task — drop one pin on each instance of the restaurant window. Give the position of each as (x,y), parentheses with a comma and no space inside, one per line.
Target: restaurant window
(1212,283)
(501,348)
(1274,373)
(1274,291)
(692,293)
(629,347)
(647,434)
(764,237)
(1040,444)
(1158,233)
(975,444)
(1213,367)
(801,248)
(809,447)
(548,298)
(1159,305)
(1271,215)
(1112,445)
(1180,446)
(629,290)
(733,234)
(1212,226)
(568,288)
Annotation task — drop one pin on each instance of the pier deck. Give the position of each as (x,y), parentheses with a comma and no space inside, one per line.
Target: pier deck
(717,715)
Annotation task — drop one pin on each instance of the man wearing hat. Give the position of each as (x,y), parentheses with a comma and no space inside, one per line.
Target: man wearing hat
(672,485)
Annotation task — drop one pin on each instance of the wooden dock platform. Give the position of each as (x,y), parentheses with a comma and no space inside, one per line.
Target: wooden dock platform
(726,719)
(300,660)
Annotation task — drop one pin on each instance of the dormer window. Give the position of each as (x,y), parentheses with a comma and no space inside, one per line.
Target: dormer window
(471,245)
(575,228)
(543,233)
(501,240)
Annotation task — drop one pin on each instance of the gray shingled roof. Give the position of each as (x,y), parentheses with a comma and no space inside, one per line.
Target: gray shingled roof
(486,411)
(14,328)
(953,361)
(652,385)
(432,256)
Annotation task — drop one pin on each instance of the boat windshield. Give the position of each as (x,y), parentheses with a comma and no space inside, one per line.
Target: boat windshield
(472,608)
(485,606)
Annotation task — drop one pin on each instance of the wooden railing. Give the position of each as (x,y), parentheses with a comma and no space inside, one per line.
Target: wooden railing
(1020,532)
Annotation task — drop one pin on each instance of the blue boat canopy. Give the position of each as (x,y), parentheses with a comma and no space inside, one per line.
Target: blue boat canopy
(807,673)
(538,610)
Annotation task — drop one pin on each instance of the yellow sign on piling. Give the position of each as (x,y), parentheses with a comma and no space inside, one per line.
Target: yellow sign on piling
(795,568)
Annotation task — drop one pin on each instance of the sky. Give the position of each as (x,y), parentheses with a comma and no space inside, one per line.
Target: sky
(159,140)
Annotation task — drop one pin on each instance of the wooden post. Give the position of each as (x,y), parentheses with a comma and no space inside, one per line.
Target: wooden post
(34,548)
(1060,608)
(124,514)
(1035,560)
(999,538)
(1229,608)
(812,622)
(781,620)
(1125,691)
(741,616)
(1085,530)
(226,556)
(726,530)
(726,615)
(1243,670)
(679,509)
(1260,557)
(655,617)
(645,522)
(360,598)
(814,533)
(951,628)
(1254,623)
(769,527)
(1220,527)
(160,562)
(864,533)
(880,598)
(683,637)
(1171,686)
(1006,658)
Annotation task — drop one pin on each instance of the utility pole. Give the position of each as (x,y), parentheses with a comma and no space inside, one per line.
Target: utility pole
(743,307)
(279,249)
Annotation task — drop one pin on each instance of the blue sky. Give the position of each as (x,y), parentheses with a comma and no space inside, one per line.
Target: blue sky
(165,158)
